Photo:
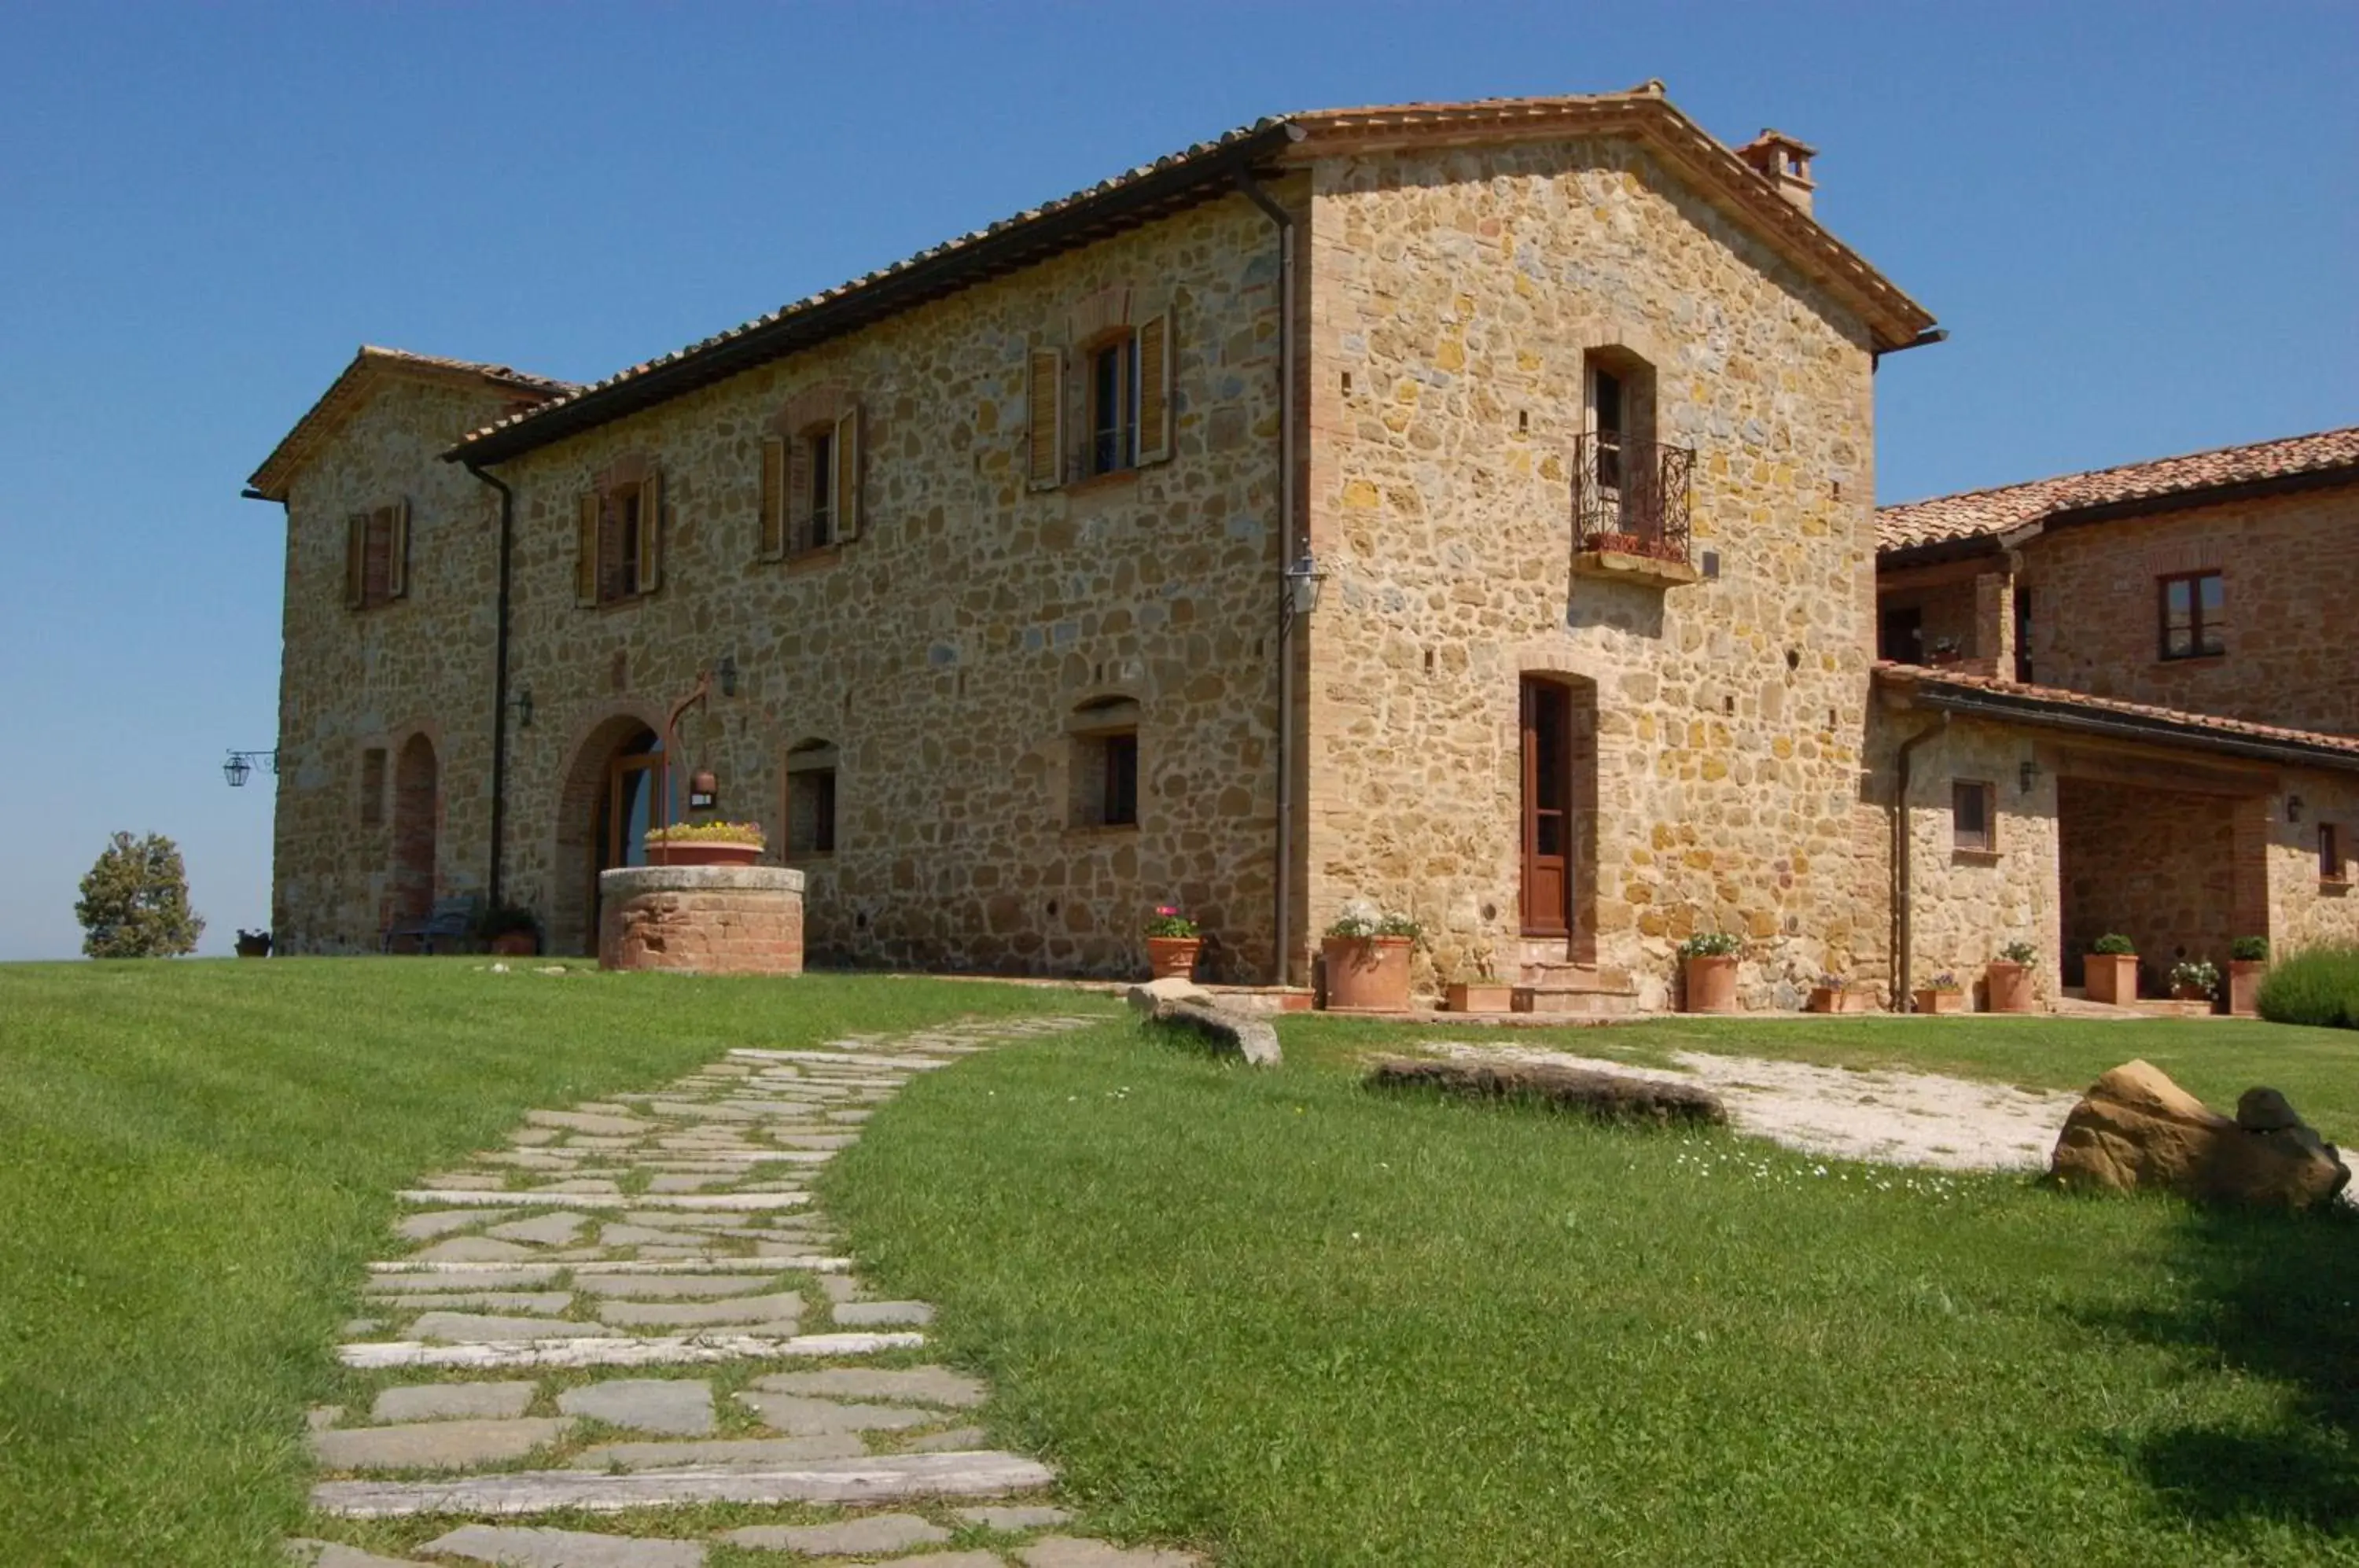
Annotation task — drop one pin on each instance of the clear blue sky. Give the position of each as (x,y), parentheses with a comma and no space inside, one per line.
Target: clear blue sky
(2139,222)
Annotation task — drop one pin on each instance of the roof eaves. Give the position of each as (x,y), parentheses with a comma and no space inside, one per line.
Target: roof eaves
(370,364)
(1152,191)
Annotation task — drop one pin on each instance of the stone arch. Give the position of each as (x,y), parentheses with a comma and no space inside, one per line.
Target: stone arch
(579,852)
(416,819)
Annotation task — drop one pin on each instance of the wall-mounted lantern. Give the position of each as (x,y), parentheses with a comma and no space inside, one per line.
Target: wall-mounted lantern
(703,791)
(522,700)
(1303,581)
(240,765)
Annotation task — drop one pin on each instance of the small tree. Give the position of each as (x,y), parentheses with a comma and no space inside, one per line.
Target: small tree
(135,902)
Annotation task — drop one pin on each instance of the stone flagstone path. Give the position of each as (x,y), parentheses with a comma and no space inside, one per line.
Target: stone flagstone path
(633,1305)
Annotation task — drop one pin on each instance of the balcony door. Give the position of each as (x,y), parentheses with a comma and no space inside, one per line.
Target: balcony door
(1547,807)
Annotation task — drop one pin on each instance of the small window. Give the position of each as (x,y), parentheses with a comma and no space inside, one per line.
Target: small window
(2194,615)
(2329,853)
(1972,827)
(817,522)
(810,799)
(376,556)
(1103,766)
(1114,406)
(618,543)
(627,507)
(1121,787)
(2023,632)
(372,787)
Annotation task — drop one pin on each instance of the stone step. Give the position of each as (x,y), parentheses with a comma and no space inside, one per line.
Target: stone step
(659,1350)
(1562,975)
(867,1479)
(1573,1001)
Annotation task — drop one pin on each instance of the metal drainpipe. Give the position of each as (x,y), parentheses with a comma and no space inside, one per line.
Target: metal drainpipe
(500,682)
(1290,545)
(1903,952)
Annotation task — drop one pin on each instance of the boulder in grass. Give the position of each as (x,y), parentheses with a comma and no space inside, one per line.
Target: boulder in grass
(2136,1130)
(1607,1096)
(1251,1038)
(1149,995)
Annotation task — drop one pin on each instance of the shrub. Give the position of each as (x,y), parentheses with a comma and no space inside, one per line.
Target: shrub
(1711,944)
(2319,987)
(2250,949)
(2195,975)
(1167,922)
(135,902)
(1362,920)
(2021,952)
(2115,945)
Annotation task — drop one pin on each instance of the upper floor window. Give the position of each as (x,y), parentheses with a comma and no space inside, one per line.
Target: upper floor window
(618,538)
(810,475)
(1120,389)
(2194,615)
(376,556)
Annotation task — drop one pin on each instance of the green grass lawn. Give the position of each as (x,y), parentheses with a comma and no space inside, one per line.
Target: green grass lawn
(200,1157)
(1296,1322)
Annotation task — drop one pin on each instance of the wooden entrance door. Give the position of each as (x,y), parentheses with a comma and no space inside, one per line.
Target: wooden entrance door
(626,809)
(1547,808)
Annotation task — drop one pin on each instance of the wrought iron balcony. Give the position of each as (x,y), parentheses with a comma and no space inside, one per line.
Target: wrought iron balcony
(1630,508)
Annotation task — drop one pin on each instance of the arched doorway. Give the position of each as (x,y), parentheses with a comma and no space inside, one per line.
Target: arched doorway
(416,780)
(613,796)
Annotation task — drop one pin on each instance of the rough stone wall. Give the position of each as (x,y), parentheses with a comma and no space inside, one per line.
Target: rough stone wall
(1966,904)
(356,681)
(2157,867)
(2303,911)
(1948,612)
(732,923)
(943,650)
(2290,572)
(1459,290)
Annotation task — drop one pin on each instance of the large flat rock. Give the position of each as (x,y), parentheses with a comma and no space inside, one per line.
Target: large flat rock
(619,1351)
(442,1222)
(676,1406)
(452,1402)
(794,1414)
(882,1314)
(605,1284)
(514,1548)
(869,1479)
(850,1538)
(547,1302)
(435,1445)
(1070,1552)
(541,1230)
(485,1328)
(781,1307)
(738,1451)
(909,1386)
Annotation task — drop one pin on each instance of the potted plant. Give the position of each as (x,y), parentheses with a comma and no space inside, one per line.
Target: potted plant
(2194,980)
(1478,990)
(253,943)
(1367,952)
(1173,942)
(1941,994)
(2112,970)
(1944,651)
(1708,968)
(706,843)
(2248,960)
(2008,978)
(1831,993)
(510,931)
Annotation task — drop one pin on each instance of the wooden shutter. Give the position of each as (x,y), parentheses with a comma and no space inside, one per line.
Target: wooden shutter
(799,493)
(397,550)
(650,533)
(357,560)
(1045,406)
(847,473)
(585,550)
(774,497)
(1154,389)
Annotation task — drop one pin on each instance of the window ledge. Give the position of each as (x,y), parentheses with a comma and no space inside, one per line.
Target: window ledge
(2334,887)
(2178,661)
(627,602)
(1654,570)
(817,558)
(1097,482)
(1975,856)
(1100,829)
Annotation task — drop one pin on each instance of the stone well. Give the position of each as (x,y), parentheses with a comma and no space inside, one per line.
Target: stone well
(702,920)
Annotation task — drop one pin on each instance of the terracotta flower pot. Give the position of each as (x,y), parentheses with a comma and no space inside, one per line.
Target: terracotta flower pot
(1836,1000)
(2010,987)
(1710,984)
(1173,957)
(2245,986)
(704,852)
(1930,1001)
(1481,997)
(516,944)
(1366,974)
(2112,977)
(2189,994)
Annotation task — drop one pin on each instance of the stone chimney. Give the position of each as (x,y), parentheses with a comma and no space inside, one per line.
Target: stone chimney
(1784,162)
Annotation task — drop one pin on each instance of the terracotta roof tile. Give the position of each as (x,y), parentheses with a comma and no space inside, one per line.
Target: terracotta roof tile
(2194,726)
(1981,512)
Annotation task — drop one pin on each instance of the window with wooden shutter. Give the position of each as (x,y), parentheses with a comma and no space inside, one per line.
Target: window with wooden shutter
(1154,389)
(801,494)
(774,497)
(847,473)
(357,560)
(397,550)
(588,527)
(649,575)
(1044,411)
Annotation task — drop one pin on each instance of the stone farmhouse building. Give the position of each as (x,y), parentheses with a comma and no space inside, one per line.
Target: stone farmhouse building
(1467,507)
